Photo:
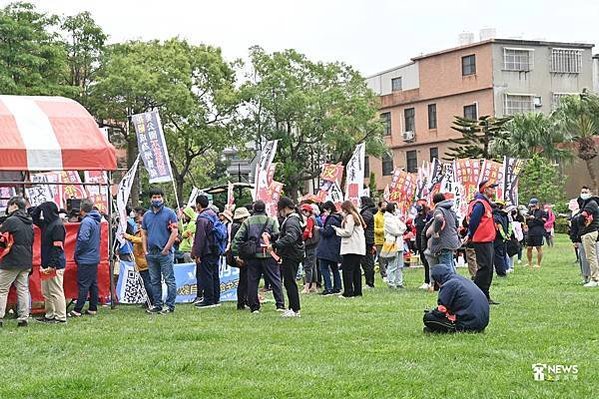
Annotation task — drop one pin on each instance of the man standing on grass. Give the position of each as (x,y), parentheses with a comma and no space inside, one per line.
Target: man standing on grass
(589,224)
(535,221)
(481,233)
(87,257)
(205,254)
(159,232)
(16,253)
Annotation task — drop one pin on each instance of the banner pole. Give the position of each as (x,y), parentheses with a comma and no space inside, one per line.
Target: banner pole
(176,196)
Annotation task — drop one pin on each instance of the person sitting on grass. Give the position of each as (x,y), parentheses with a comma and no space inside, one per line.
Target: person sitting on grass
(462,306)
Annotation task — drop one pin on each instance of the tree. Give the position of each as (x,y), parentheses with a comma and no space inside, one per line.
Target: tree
(32,57)
(530,134)
(577,118)
(541,179)
(193,88)
(319,112)
(84,42)
(477,138)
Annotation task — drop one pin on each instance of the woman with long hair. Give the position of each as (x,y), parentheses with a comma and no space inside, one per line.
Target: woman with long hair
(329,248)
(353,248)
(393,247)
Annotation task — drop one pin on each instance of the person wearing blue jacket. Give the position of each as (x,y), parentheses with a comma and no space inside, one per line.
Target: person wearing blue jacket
(462,306)
(328,250)
(87,257)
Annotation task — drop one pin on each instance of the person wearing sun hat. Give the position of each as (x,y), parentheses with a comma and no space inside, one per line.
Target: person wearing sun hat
(481,233)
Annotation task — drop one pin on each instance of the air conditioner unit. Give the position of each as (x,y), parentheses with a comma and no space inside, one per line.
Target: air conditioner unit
(537,101)
(408,136)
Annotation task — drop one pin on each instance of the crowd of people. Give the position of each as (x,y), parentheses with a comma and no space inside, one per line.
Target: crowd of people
(338,249)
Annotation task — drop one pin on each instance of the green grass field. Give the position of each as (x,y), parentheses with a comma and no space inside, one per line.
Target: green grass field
(361,348)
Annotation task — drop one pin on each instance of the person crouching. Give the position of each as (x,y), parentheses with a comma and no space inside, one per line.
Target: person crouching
(462,306)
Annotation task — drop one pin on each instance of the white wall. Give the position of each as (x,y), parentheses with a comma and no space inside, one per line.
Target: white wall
(381,82)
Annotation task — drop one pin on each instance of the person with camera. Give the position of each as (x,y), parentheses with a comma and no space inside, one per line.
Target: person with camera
(16,257)
(249,250)
(53,261)
(535,222)
(87,257)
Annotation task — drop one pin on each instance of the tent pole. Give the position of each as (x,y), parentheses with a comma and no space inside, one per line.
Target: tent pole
(113,297)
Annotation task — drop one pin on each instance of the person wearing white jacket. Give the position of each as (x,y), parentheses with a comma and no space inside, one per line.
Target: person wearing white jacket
(353,248)
(394,229)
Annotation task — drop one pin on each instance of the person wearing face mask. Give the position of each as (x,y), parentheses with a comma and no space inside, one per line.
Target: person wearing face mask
(589,224)
(159,233)
(87,257)
(481,233)
(16,257)
(328,252)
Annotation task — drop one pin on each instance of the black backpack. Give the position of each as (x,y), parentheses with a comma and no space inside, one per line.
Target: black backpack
(249,248)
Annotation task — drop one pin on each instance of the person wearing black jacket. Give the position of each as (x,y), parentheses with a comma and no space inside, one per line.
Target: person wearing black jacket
(502,224)
(461,305)
(16,246)
(420,221)
(53,263)
(289,245)
(589,224)
(241,215)
(574,233)
(367,211)
(535,222)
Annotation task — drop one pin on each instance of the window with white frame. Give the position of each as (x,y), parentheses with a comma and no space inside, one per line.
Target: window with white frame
(566,60)
(556,98)
(517,59)
(518,104)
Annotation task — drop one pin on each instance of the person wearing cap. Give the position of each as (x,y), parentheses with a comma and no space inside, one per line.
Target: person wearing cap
(588,225)
(261,263)
(535,222)
(240,216)
(481,233)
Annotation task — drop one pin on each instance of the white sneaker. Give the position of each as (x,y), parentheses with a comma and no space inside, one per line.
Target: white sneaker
(424,286)
(256,312)
(290,313)
(281,310)
(591,284)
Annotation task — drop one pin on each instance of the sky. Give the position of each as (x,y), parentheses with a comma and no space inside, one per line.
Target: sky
(371,35)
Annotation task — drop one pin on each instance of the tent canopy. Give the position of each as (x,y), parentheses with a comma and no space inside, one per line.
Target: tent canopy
(51,134)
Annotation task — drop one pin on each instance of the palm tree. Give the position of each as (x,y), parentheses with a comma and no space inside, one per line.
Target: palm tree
(577,117)
(530,134)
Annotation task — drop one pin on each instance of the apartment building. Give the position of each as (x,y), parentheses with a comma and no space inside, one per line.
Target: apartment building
(418,100)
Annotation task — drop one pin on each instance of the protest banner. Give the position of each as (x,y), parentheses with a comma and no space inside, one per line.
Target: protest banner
(40,192)
(122,197)
(403,190)
(263,167)
(354,175)
(97,194)
(5,194)
(511,173)
(493,171)
(152,146)
(71,186)
(130,289)
(331,173)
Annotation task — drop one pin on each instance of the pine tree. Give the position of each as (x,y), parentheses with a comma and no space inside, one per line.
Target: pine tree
(477,137)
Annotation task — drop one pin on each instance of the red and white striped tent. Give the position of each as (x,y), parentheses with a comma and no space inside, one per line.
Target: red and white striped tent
(51,134)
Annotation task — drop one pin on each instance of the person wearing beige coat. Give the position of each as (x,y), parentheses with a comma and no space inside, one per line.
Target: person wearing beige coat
(353,248)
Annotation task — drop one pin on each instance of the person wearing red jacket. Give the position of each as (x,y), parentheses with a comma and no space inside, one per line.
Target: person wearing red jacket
(311,236)
(481,233)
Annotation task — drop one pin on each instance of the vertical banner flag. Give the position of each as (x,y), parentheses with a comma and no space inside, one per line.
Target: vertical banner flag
(434,178)
(511,172)
(422,177)
(449,184)
(354,175)
(493,171)
(122,197)
(152,146)
(194,194)
(331,173)
(402,190)
(265,188)
(467,172)
(97,194)
(230,197)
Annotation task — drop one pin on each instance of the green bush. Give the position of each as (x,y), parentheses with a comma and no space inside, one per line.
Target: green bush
(561,225)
